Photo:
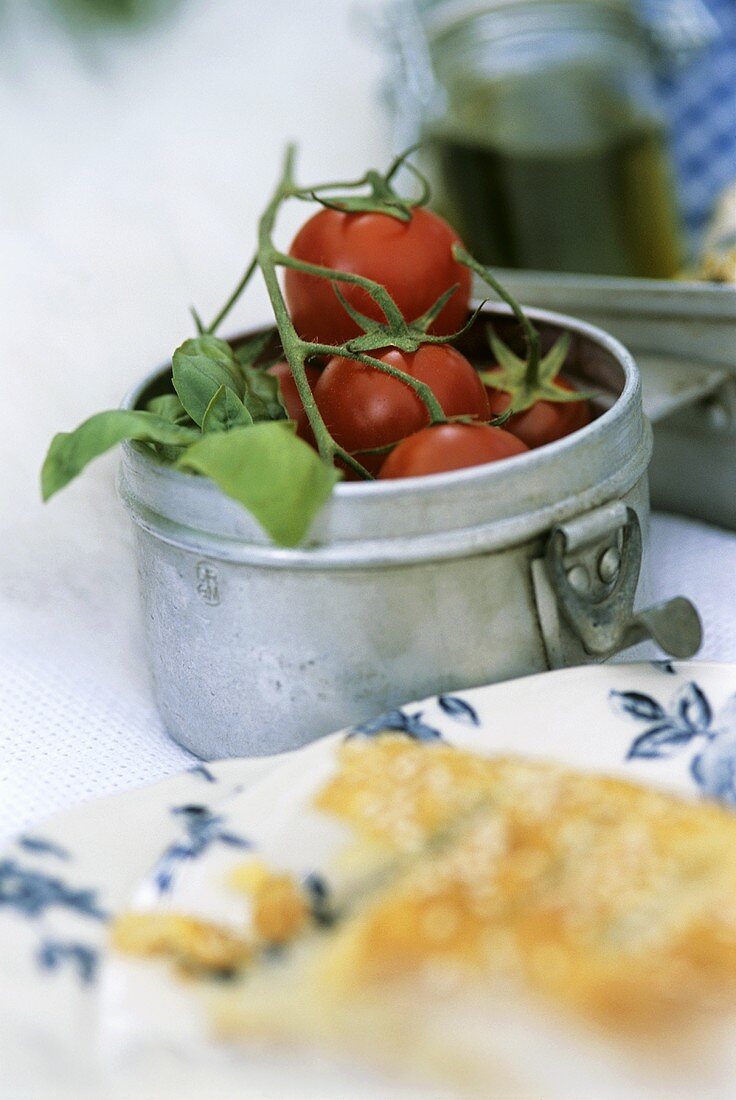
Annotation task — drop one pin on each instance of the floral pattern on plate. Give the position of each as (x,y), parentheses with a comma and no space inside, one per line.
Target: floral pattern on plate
(687,721)
(64,917)
(38,895)
(202,828)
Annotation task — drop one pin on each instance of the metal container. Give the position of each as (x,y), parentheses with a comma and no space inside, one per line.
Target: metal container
(403,588)
(684,338)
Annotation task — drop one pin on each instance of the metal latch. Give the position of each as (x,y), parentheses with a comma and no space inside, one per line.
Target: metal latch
(587,580)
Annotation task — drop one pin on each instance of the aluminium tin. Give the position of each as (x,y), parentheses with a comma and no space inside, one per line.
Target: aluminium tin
(404,588)
(692,320)
(684,338)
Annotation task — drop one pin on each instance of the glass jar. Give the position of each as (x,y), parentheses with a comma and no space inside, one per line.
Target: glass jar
(544,137)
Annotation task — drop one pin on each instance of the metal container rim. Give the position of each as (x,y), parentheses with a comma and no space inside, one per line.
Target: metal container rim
(433,484)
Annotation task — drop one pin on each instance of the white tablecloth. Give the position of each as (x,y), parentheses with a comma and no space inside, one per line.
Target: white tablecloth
(135,168)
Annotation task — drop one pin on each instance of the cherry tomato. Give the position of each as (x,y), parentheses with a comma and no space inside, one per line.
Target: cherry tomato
(412,260)
(290,396)
(545,421)
(364,408)
(443,447)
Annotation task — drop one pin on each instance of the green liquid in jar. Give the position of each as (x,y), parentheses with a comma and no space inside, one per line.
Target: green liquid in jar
(605,210)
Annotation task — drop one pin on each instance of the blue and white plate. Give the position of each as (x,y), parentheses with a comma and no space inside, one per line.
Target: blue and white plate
(170,846)
(60,884)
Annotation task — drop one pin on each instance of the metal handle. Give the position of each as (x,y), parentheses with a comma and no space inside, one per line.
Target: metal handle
(588,578)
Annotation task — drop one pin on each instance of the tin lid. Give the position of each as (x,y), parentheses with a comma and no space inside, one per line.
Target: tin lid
(676,25)
(438,16)
(477,510)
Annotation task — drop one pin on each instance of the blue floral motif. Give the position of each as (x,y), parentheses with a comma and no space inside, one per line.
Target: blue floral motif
(686,721)
(458,709)
(714,769)
(320,903)
(400,722)
(40,846)
(202,828)
(203,772)
(33,893)
(52,953)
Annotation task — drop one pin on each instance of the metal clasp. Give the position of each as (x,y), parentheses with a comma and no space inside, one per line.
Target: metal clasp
(587,581)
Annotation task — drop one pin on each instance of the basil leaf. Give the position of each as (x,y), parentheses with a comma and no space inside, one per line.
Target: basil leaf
(248,352)
(199,367)
(280,479)
(70,452)
(168,453)
(169,407)
(262,390)
(225,411)
(263,394)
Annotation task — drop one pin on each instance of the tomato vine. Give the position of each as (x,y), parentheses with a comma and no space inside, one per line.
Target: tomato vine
(226,417)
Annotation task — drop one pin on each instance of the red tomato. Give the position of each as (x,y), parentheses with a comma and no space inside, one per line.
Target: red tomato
(290,396)
(412,260)
(364,408)
(545,421)
(445,447)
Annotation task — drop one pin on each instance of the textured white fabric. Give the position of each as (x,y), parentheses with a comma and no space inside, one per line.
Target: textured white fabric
(137,169)
(695,560)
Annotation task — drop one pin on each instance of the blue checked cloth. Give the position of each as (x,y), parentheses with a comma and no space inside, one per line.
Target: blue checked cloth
(700,102)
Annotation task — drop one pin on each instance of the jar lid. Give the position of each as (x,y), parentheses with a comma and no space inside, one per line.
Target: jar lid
(677,26)
(438,16)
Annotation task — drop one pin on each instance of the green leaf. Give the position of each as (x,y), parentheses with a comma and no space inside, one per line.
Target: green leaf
(280,479)
(70,452)
(169,407)
(169,453)
(199,367)
(262,395)
(248,352)
(225,411)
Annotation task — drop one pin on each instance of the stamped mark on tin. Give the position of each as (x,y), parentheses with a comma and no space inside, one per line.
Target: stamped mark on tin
(207,586)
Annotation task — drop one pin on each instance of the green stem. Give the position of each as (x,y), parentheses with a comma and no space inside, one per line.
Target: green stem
(352,462)
(402,161)
(530,333)
(381,197)
(421,389)
(295,349)
(338,185)
(378,293)
(234,296)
